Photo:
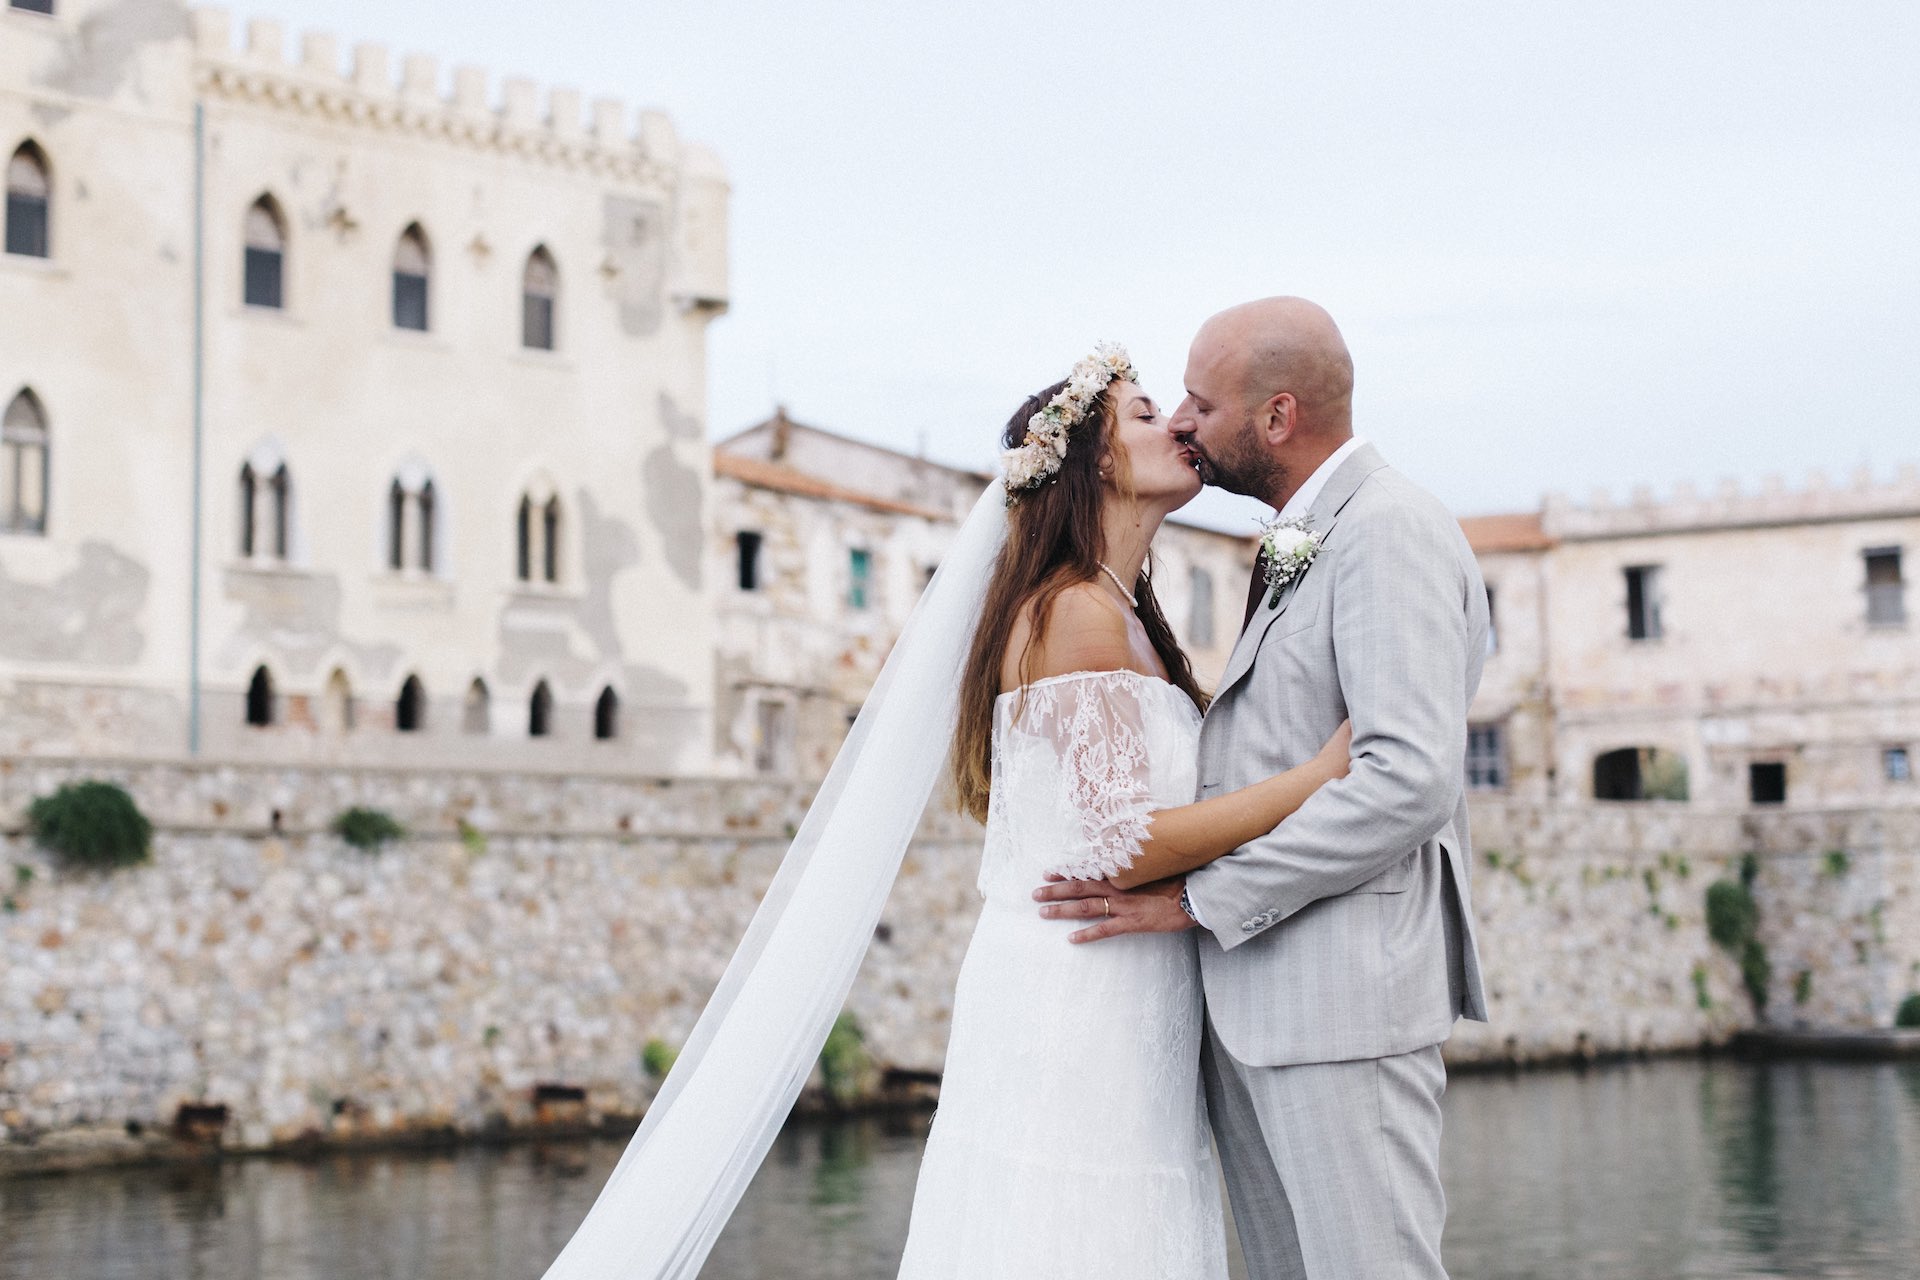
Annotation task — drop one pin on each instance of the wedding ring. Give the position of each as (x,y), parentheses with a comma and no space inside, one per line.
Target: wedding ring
(1106,906)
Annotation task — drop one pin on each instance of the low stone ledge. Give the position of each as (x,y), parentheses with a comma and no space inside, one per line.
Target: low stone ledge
(1877,1045)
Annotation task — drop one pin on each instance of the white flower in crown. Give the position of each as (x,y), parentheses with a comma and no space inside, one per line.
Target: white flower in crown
(1037,458)
(1288,545)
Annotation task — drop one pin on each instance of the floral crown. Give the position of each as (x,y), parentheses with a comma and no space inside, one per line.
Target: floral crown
(1038,457)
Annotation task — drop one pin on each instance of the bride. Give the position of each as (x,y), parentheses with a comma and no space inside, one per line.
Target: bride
(1073,727)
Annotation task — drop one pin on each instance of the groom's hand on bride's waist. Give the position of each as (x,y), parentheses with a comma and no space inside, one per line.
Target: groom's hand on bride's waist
(1150,908)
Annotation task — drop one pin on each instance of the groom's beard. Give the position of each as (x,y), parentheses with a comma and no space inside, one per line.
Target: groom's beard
(1241,466)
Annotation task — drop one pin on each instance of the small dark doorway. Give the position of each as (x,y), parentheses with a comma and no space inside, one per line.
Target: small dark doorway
(260,698)
(410,712)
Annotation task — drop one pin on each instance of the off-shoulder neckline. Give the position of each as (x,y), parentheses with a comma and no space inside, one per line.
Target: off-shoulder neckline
(1090,675)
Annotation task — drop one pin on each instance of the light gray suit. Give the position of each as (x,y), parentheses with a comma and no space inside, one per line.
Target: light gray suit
(1345,938)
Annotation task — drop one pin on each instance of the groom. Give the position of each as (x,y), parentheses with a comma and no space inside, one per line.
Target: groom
(1342,944)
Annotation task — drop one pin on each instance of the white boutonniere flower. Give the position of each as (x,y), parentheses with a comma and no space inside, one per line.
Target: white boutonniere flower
(1288,545)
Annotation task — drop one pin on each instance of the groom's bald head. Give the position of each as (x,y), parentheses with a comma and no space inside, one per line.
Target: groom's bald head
(1269,396)
(1289,345)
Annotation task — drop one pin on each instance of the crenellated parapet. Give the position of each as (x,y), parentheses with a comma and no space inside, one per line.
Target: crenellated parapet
(1817,500)
(555,127)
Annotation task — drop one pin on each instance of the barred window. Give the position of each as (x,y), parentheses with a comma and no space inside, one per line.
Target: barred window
(1487,756)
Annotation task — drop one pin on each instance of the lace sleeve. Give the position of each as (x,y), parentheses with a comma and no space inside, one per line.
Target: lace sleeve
(1097,727)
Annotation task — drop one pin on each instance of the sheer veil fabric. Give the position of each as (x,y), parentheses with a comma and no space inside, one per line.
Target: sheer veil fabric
(754,1045)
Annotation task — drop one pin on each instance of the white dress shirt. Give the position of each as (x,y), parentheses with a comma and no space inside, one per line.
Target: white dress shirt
(1303,497)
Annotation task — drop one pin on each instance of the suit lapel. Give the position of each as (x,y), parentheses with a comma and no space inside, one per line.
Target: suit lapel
(1325,511)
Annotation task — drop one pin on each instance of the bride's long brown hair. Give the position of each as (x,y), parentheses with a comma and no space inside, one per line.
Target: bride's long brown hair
(1054,540)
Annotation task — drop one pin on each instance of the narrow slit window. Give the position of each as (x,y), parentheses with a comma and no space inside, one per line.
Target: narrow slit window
(747,547)
(1886,588)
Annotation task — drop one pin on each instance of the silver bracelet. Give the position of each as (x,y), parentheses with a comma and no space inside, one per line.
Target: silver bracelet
(1186,905)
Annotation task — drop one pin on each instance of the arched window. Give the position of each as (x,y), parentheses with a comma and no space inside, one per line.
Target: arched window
(540,711)
(266,255)
(270,540)
(606,715)
(29,202)
(260,706)
(396,526)
(1639,773)
(23,466)
(537,534)
(410,517)
(539,286)
(338,705)
(477,715)
(412,266)
(410,710)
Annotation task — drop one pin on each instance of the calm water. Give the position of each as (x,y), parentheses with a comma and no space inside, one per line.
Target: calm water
(1666,1171)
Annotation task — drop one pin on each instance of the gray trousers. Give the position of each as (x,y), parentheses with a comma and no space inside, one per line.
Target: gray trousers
(1333,1168)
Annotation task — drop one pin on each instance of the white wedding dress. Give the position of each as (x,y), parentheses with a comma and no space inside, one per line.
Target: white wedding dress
(1071,1138)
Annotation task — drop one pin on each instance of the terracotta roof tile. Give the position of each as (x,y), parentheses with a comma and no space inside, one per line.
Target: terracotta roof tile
(1521,531)
(785,479)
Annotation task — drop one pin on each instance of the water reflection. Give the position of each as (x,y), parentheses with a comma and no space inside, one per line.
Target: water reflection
(1683,1170)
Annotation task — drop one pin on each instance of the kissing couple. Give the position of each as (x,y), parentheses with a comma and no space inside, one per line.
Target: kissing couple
(1245,915)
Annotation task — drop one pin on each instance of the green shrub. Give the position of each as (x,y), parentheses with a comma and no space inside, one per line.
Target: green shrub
(1909,1015)
(657,1058)
(91,824)
(1838,863)
(844,1063)
(367,828)
(1803,986)
(1757,972)
(1732,914)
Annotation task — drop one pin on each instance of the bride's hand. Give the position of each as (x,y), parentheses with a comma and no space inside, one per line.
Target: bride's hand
(1334,756)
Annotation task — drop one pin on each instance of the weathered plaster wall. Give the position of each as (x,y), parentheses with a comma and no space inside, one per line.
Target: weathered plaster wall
(611,420)
(312,988)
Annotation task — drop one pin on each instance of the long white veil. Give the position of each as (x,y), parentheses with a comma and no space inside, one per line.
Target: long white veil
(754,1046)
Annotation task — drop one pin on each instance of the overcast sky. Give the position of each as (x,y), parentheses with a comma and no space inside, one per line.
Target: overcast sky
(1573,246)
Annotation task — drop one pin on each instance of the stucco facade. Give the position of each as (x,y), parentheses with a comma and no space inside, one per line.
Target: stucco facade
(383,460)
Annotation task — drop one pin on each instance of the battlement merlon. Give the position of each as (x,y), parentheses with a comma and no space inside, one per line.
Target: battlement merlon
(553,128)
(1730,506)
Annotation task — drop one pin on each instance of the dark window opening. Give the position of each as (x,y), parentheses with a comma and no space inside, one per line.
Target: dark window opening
(1767,782)
(1886,589)
(396,526)
(747,544)
(411,270)
(410,712)
(29,197)
(606,715)
(1639,773)
(539,285)
(1896,765)
(1643,602)
(550,544)
(1486,756)
(33,6)
(524,564)
(540,711)
(260,698)
(264,264)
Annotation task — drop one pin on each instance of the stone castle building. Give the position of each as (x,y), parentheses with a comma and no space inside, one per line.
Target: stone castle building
(1743,649)
(821,547)
(345,420)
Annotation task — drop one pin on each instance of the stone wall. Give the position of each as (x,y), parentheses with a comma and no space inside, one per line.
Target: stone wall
(535,930)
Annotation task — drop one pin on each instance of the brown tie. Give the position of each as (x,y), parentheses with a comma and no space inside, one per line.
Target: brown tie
(1256,587)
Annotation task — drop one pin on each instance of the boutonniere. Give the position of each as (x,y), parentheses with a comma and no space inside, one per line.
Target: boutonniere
(1287,546)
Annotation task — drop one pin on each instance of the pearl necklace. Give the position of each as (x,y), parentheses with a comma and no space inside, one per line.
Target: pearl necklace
(1116,582)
